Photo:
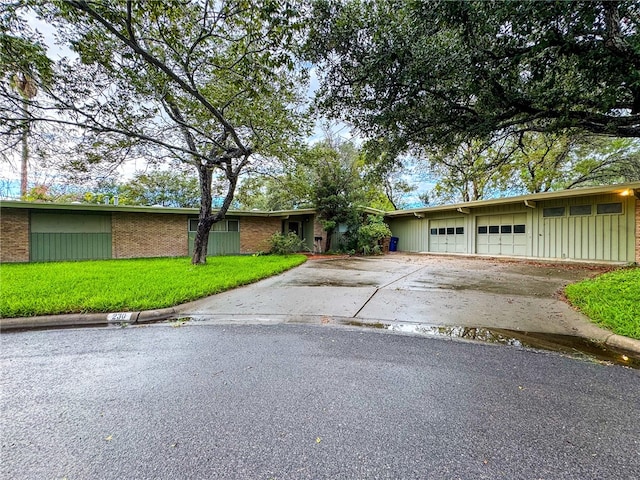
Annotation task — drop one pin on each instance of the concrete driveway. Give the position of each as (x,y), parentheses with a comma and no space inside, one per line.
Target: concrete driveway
(411,289)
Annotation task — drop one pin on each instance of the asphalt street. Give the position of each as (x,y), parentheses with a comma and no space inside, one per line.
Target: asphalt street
(203,401)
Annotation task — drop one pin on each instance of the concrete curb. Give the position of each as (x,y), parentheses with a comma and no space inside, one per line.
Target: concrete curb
(86,319)
(624,343)
(150,316)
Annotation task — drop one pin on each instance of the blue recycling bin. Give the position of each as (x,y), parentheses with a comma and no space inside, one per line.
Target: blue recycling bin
(393,244)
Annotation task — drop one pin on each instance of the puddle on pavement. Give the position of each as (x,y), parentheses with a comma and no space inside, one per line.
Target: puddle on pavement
(576,347)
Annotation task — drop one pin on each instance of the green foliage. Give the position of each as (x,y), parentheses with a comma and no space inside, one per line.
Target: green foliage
(530,163)
(215,85)
(166,188)
(282,244)
(22,51)
(611,300)
(336,186)
(127,285)
(371,234)
(547,162)
(433,73)
(470,171)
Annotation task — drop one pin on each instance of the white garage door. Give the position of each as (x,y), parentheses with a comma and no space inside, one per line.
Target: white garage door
(502,234)
(447,236)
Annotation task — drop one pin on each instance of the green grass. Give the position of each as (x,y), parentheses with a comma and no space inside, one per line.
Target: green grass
(126,285)
(611,300)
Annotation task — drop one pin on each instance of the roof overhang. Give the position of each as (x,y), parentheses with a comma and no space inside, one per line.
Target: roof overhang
(624,189)
(89,207)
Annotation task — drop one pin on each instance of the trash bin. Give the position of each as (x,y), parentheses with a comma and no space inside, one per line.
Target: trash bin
(393,245)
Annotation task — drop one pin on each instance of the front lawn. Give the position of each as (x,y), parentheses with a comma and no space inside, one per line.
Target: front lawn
(611,300)
(30,289)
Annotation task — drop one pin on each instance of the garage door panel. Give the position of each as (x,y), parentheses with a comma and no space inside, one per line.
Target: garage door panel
(447,236)
(496,234)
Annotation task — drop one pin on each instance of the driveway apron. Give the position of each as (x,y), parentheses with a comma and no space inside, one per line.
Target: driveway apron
(432,290)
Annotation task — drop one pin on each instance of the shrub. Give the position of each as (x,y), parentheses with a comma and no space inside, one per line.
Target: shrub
(371,234)
(282,244)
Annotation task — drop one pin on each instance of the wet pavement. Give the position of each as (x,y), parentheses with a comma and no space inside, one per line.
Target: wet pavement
(297,401)
(518,301)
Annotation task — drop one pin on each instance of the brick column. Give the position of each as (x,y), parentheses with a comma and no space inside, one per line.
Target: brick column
(318,231)
(14,235)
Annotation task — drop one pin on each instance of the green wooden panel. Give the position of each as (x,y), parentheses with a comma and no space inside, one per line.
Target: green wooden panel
(608,237)
(69,223)
(220,243)
(308,234)
(412,233)
(51,247)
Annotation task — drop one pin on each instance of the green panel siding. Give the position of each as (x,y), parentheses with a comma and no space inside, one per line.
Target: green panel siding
(48,247)
(308,234)
(220,243)
(69,223)
(607,237)
(412,233)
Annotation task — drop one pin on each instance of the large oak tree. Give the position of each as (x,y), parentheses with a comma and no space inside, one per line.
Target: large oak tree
(428,73)
(212,83)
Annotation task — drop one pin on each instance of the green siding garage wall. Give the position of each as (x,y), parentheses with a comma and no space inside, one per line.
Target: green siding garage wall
(582,232)
(64,236)
(412,233)
(596,228)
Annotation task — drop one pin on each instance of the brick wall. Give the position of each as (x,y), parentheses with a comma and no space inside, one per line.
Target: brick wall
(256,231)
(14,235)
(149,235)
(638,230)
(318,231)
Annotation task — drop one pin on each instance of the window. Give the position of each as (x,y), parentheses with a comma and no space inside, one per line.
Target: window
(580,210)
(434,231)
(450,230)
(459,230)
(441,231)
(518,229)
(505,229)
(482,230)
(221,226)
(604,208)
(553,212)
(494,229)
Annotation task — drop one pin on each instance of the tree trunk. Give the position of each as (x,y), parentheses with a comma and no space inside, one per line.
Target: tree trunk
(329,235)
(25,149)
(205,220)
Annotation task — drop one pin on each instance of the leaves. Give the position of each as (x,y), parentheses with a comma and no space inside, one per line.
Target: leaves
(215,85)
(432,73)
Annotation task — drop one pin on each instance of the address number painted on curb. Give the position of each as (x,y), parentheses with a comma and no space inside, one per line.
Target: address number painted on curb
(119,317)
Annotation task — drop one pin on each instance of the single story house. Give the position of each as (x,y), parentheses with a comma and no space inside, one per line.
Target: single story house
(599,224)
(40,232)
